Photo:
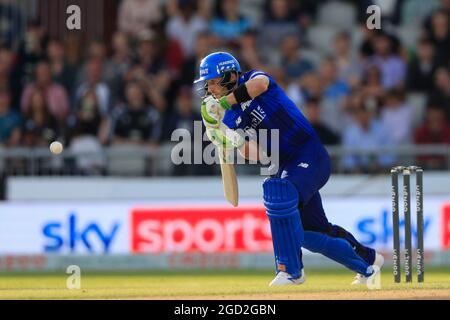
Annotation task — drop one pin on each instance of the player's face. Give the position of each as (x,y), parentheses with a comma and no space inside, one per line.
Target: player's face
(215,88)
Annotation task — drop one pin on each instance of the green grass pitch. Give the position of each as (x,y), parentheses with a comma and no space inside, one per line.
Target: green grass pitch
(247,284)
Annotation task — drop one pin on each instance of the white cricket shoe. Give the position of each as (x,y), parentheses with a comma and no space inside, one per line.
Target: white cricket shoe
(285,279)
(360,279)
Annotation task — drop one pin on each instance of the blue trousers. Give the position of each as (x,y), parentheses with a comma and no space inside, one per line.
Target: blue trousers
(309,170)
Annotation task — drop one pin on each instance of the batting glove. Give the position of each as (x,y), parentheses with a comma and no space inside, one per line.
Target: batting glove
(225,138)
(212,112)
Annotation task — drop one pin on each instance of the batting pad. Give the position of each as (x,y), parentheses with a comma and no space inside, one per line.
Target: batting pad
(337,249)
(281,201)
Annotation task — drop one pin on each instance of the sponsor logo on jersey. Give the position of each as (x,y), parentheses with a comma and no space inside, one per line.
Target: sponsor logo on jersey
(303,165)
(245,105)
(258,115)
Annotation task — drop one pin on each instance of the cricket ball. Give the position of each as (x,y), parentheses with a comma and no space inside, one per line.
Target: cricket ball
(56,147)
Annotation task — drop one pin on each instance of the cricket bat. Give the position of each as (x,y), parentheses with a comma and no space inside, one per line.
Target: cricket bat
(229,179)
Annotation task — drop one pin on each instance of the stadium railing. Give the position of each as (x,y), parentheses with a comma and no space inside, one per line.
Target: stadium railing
(131,160)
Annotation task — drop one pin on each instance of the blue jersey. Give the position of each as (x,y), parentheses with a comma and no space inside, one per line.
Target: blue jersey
(270,110)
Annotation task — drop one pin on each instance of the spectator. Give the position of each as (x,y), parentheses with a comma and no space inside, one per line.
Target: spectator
(334,94)
(55,94)
(137,122)
(434,130)
(334,89)
(172,53)
(190,66)
(397,117)
(9,77)
(249,54)
(121,61)
(155,51)
(183,116)
(372,87)
(305,88)
(279,22)
(186,117)
(184,26)
(439,34)
(151,72)
(392,67)
(313,114)
(294,66)
(441,90)
(367,47)
(354,101)
(88,130)
(40,126)
(88,120)
(62,72)
(313,87)
(11,28)
(121,55)
(229,24)
(31,49)
(148,60)
(10,122)
(367,134)
(203,8)
(370,37)
(73,48)
(94,82)
(349,69)
(97,51)
(306,11)
(137,15)
(422,67)
(279,76)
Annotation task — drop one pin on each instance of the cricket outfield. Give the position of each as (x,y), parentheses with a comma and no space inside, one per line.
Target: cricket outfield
(320,284)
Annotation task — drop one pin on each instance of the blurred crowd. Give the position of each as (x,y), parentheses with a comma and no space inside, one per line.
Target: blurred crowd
(359,88)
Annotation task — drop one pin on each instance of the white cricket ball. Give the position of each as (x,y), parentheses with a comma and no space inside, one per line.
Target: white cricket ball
(56,147)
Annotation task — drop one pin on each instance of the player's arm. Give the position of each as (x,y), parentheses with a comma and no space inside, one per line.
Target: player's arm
(249,90)
(246,91)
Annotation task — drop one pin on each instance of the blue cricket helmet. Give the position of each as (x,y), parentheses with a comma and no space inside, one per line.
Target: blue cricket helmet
(216,65)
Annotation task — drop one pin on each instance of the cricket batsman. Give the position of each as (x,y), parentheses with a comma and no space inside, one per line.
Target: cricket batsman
(251,101)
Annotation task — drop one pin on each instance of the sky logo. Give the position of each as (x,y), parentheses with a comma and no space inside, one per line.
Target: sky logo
(379,230)
(72,237)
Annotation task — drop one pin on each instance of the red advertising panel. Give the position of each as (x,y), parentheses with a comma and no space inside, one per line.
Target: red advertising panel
(200,229)
(446,226)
